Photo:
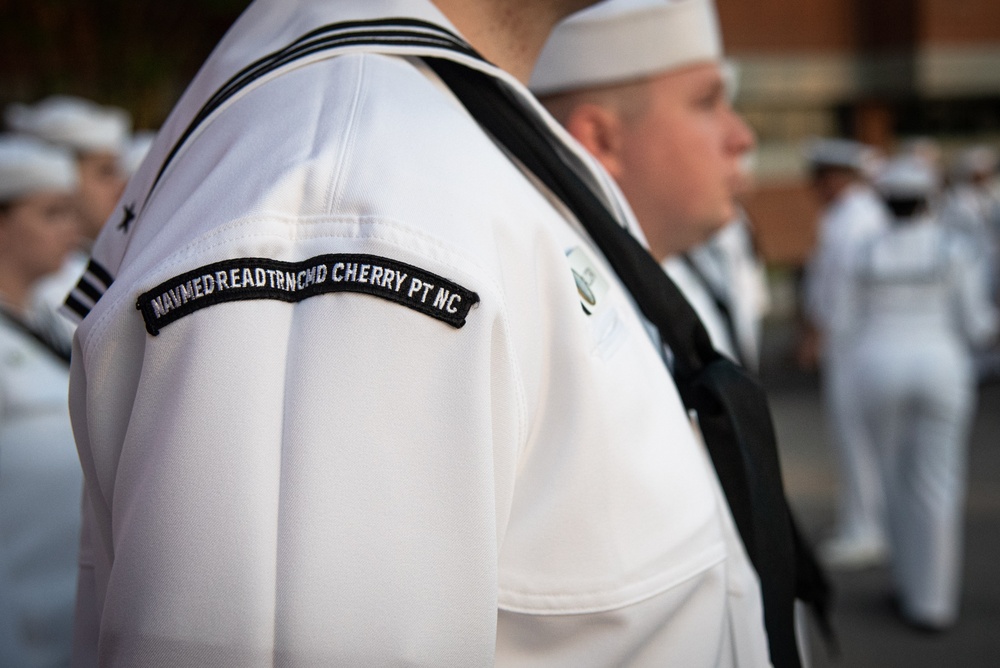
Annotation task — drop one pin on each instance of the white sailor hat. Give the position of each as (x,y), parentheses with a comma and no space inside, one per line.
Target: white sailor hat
(906,177)
(77,124)
(29,165)
(622,40)
(844,153)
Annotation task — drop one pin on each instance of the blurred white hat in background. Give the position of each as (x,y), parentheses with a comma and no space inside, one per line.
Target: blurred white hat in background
(29,165)
(77,124)
(907,177)
(842,153)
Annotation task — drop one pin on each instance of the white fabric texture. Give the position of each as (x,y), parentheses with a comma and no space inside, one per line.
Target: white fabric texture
(915,306)
(40,488)
(345,480)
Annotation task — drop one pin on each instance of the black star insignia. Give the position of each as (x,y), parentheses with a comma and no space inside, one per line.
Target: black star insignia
(127,218)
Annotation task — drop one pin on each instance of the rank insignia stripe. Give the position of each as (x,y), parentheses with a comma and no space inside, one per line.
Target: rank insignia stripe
(243,279)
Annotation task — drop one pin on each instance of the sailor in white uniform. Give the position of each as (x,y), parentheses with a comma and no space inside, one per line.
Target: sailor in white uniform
(340,399)
(970,205)
(40,477)
(96,136)
(725,281)
(852,214)
(915,306)
(641,84)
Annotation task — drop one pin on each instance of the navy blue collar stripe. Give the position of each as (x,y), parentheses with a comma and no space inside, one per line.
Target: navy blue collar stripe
(78,307)
(100,273)
(87,288)
(359,28)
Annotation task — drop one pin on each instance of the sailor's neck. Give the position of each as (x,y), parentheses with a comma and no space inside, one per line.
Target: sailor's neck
(508,33)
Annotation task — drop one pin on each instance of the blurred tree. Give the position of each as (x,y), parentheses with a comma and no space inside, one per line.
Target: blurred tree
(136,54)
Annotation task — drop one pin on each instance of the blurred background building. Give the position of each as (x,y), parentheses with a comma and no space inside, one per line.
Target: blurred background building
(135,54)
(882,72)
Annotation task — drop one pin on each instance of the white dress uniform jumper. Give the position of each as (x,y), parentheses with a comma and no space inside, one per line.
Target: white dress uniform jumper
(351,389)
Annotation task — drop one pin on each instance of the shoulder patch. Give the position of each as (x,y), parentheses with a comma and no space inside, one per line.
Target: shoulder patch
(261,278)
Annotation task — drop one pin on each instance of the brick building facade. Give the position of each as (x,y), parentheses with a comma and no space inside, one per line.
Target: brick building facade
(876,71)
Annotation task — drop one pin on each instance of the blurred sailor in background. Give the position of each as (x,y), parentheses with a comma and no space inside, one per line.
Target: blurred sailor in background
(40,476)
(914,305)
(851,214)
(97,136)
(971,207)
(725,280)
(653,106)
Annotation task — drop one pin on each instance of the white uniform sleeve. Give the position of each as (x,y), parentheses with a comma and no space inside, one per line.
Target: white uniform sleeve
(976,314)
(813,285)
(825,272)
(319,483)
(843,299)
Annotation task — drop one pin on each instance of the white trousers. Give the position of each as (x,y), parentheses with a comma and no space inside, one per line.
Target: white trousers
(860,502)
(917,400)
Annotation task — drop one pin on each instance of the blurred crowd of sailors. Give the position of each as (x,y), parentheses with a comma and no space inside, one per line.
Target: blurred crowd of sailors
(902,289)
(64,162)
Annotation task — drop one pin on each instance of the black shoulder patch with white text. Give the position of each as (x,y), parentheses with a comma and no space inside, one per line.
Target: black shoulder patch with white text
(262,278)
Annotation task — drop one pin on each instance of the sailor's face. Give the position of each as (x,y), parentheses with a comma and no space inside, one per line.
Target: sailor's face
(682,164)
(37,232)
(101,184)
